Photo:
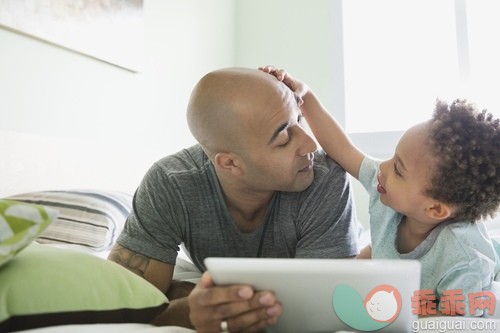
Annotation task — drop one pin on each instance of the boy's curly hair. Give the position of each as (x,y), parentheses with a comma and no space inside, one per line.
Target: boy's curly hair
(466,142)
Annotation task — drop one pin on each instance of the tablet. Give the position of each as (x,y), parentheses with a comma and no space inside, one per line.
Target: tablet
(328,295)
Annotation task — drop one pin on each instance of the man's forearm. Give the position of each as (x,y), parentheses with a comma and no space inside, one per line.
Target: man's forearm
(176,314)
(179,289)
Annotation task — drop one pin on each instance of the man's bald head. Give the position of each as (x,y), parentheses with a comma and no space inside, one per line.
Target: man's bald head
(223,104)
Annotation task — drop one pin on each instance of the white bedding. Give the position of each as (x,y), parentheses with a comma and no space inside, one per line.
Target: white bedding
(429,325)
(110,328)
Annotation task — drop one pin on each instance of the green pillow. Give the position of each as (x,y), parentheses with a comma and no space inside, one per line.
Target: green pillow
(47,286)
(20,223)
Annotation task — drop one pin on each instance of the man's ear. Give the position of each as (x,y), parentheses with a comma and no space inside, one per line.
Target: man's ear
(439,211)
(229,162)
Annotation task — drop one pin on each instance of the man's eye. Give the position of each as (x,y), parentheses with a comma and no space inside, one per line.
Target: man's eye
(300,117)
(284,143)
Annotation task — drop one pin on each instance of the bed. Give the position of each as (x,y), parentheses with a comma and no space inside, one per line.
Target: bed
(53,275)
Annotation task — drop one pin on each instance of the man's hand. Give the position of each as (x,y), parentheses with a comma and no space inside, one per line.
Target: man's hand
(242,308)
(299,88)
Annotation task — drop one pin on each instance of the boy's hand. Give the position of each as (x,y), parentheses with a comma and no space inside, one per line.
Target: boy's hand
(299,88)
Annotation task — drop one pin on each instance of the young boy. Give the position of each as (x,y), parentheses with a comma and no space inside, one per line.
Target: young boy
(426,201)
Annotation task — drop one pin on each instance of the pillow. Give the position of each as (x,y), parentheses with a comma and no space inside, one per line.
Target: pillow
(92,219)
(48,286)
(20,223)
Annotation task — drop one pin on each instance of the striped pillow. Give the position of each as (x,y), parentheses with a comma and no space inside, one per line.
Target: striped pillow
(92,219)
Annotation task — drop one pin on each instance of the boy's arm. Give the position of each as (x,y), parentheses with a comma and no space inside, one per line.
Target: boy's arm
(331,136)
(326,129)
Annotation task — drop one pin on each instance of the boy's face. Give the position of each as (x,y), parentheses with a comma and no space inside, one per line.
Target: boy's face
(404,178)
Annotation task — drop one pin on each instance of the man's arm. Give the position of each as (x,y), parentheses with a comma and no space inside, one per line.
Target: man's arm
(160,275)
(240,306)
(156,272)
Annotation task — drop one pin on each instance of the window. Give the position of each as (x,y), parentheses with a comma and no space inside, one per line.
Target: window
(399,56)
(483,33)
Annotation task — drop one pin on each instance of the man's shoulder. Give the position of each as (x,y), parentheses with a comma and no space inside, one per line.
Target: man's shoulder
(330,181)
(187,169)
(186,160)
(325,167)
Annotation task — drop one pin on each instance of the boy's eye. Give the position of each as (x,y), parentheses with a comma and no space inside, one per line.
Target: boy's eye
(396,171)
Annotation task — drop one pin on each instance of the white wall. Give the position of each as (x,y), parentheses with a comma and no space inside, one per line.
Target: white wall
(48,90)
(71,121)
(51,92)
(297,35)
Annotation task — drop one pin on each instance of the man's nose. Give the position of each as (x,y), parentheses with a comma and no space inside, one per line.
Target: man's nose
(307,144)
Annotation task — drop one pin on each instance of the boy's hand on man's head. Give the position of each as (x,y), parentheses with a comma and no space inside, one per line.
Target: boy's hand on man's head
(298,87)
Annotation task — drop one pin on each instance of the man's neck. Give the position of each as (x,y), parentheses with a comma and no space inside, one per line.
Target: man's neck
(247,208)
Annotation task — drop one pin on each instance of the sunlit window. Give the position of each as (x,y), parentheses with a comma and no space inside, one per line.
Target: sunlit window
(484,50)
(399,56)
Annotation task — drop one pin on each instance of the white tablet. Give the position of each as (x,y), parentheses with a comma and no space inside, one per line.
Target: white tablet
(328,295)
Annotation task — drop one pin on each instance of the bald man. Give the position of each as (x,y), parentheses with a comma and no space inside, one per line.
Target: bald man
(254,186)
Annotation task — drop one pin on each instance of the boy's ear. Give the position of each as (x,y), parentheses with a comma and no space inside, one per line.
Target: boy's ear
(439,211)
(228,162)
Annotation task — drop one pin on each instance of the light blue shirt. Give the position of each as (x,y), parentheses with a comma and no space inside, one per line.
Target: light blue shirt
(456,255)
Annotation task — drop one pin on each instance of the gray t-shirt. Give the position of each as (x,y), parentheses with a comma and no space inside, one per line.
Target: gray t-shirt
(180,201)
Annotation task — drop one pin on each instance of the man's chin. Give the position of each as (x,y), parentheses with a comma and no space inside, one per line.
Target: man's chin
(303,182)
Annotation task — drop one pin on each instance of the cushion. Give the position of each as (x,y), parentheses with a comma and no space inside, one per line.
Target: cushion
(20,223)
(47,286)
(88,218)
